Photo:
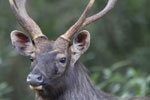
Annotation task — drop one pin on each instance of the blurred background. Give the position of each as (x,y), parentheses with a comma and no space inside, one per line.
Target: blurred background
(118,59)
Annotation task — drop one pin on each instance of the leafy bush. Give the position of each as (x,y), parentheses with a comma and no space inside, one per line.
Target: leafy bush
(122,80)
(4,91)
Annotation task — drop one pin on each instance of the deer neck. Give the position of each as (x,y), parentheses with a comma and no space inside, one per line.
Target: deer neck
(80,87)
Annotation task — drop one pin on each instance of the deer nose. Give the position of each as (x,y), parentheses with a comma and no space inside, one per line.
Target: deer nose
(34,79)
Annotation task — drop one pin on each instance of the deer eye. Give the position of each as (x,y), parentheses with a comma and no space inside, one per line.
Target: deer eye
(31,59)
(62,60)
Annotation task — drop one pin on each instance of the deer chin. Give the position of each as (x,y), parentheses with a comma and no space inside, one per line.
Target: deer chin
(40,87)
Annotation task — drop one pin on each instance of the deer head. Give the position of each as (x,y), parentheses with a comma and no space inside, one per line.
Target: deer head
(51,59)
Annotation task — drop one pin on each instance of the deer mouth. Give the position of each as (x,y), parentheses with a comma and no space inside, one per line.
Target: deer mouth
(40,87)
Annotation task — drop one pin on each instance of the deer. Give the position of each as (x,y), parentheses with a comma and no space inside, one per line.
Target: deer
(56,73)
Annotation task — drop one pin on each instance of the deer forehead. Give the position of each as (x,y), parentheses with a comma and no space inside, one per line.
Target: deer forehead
(52,54)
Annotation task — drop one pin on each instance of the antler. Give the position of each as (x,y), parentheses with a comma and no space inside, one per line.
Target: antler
(99,15)
(83,21)
(73,29)
(19,9)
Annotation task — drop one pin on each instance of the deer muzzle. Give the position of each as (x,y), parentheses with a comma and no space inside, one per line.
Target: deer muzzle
(35,81)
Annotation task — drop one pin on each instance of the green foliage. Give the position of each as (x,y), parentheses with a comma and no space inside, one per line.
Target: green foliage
(4,91)
(122,80)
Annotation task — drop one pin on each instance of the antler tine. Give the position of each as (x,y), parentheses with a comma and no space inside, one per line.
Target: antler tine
(73,29)
(99,15)
(19,9)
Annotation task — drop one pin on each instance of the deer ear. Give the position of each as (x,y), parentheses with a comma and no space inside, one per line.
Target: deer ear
(81,43)
(22,43)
